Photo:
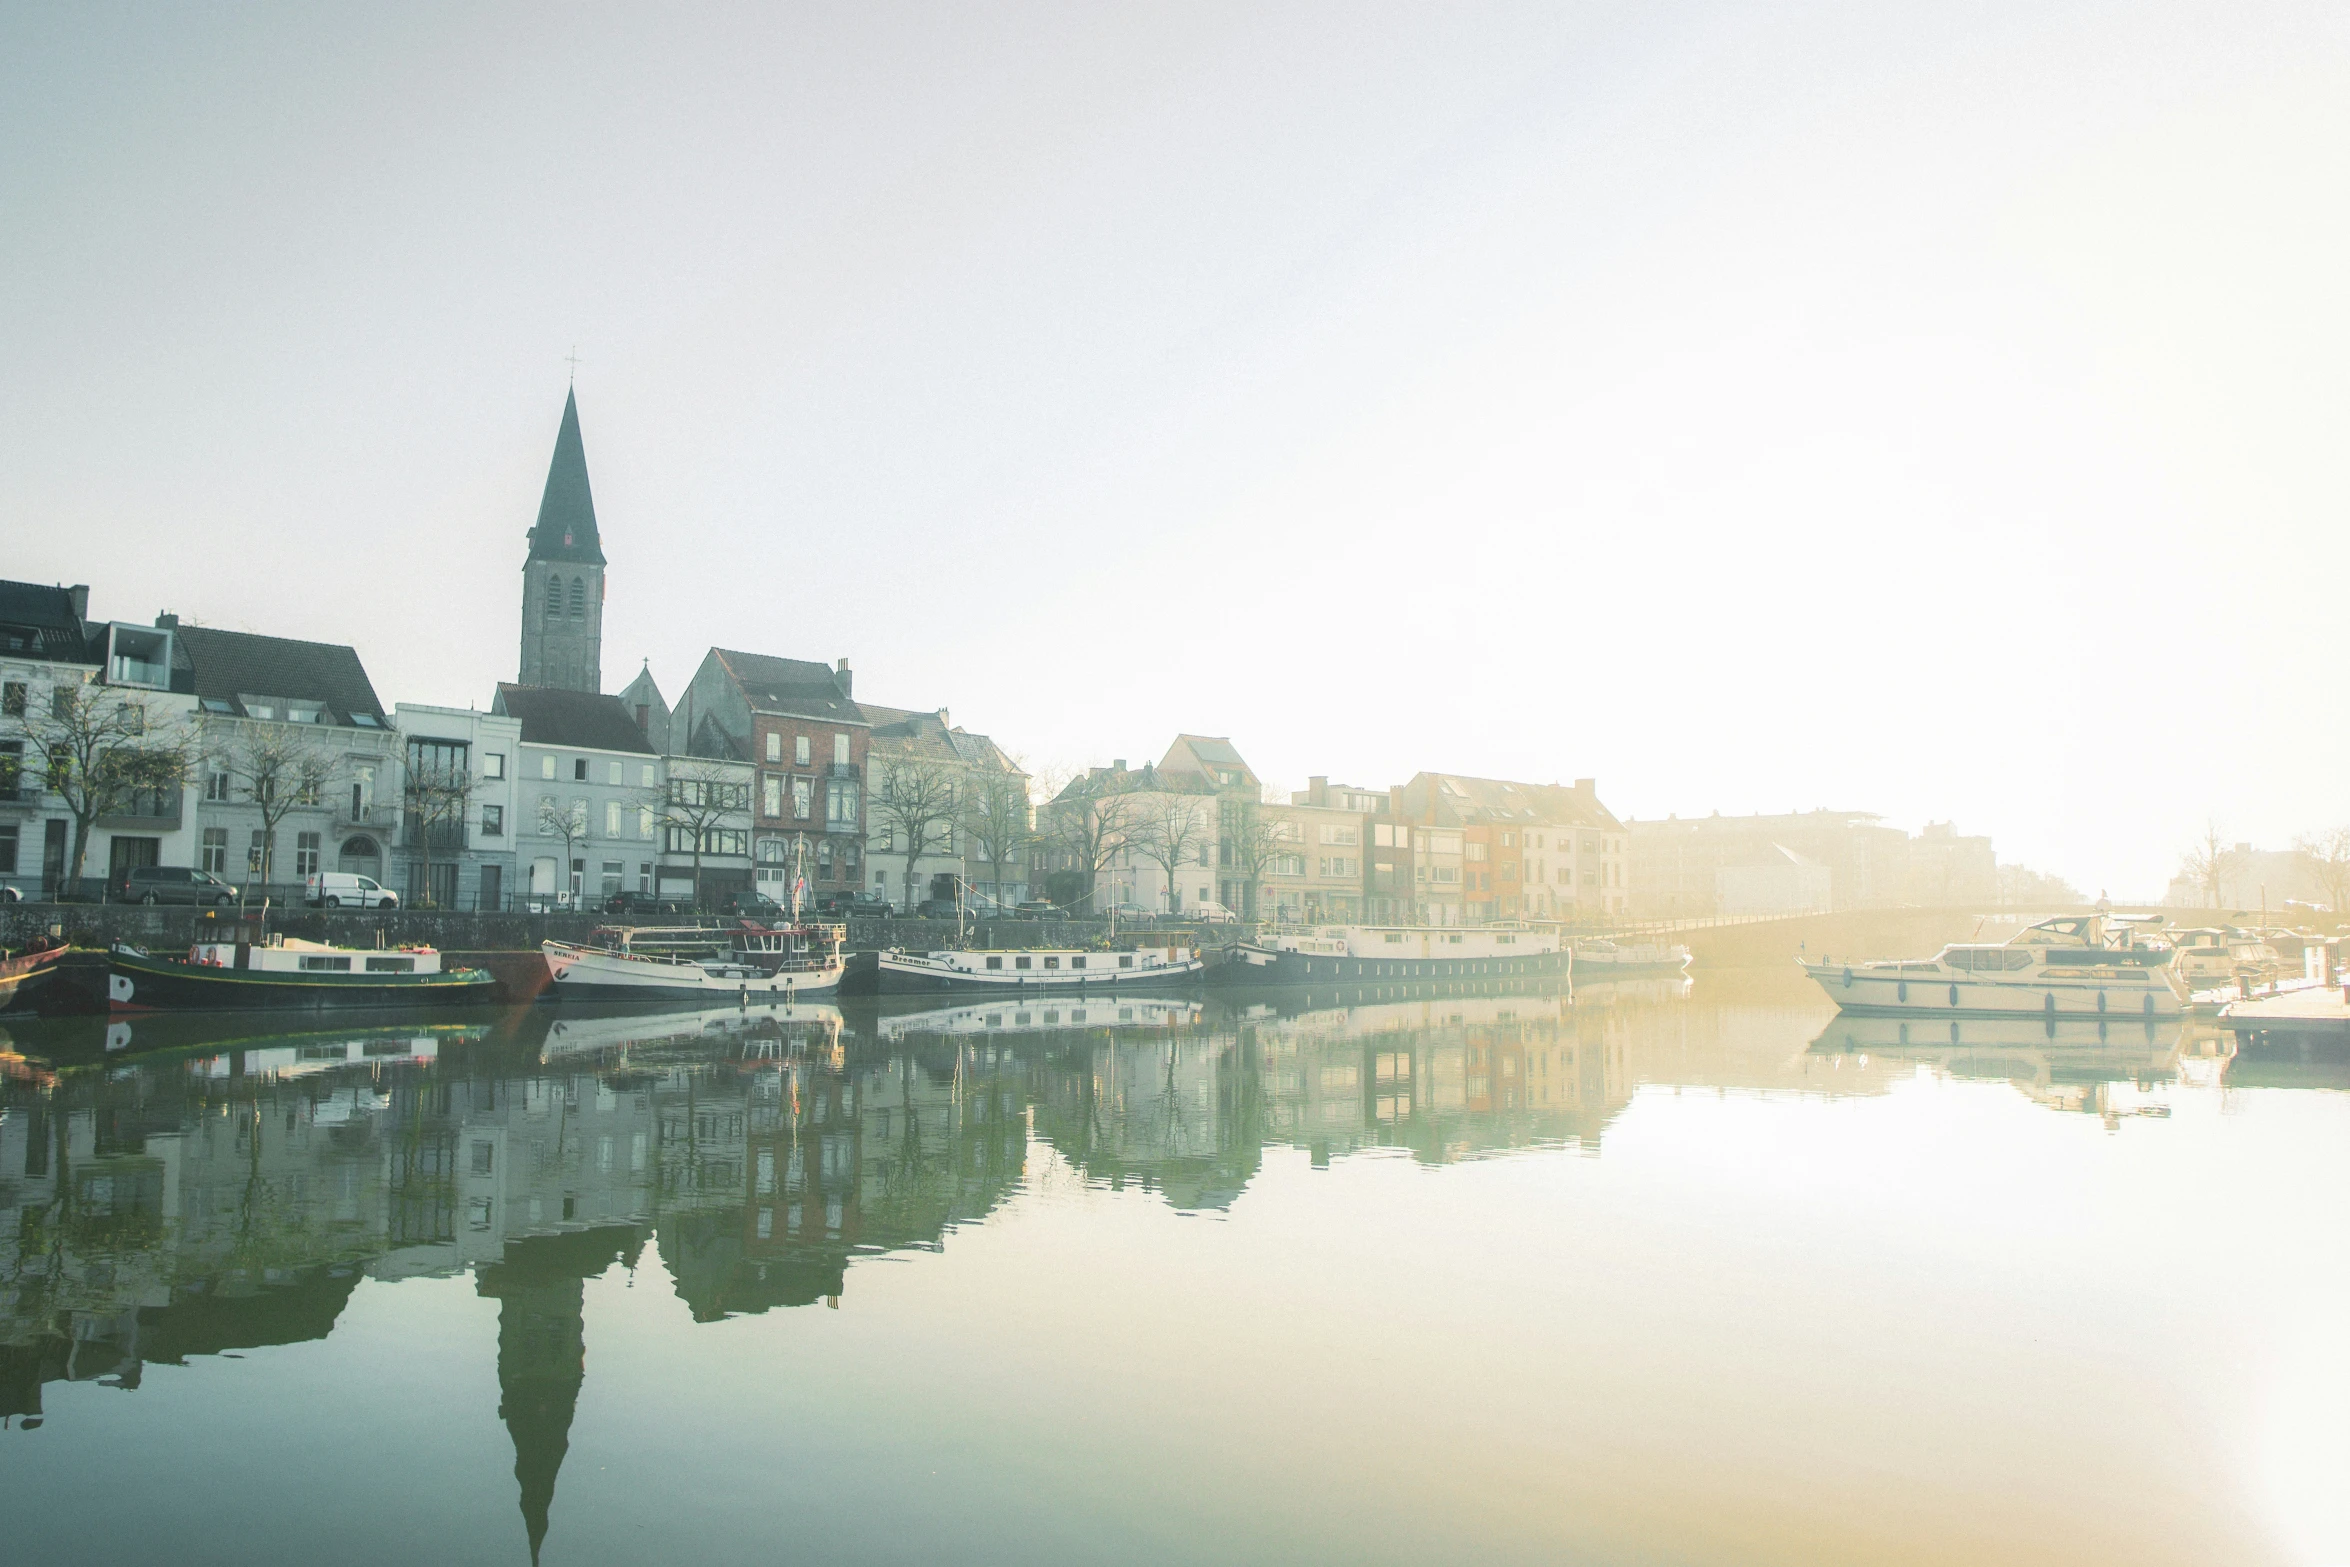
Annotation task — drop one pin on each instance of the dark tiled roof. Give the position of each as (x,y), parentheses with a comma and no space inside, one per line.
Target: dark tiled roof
(37,621)
(585,720)
(567,512)
(231,664)
(1500,801)
(793,686)
(913,733)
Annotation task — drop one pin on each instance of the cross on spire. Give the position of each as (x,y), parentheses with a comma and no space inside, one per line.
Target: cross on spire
(572,359)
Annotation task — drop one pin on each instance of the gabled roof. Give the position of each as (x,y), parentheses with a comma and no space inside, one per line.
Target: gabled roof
(231,665)
(40,622)
(794,687)
(584,720)
(1465,801)
(1209,752)
(903,732)
(566,527)
(1146,779)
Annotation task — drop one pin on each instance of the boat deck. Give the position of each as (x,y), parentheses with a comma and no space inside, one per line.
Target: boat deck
(2315,1009)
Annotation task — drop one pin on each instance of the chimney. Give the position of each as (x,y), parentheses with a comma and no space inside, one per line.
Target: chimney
(943,721)
(1318,789)
(841,676)
(1119,765)
(79,596)
(167,621)
(1587,786)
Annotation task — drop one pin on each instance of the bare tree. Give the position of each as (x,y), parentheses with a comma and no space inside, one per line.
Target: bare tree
(2328,853)
(436,799)
(567,820)
(98,748)
(702,794)
(2205,866)
(913,801)
(277,769)
(1170,830)
(1091,827)
(1255,835)
(999,822)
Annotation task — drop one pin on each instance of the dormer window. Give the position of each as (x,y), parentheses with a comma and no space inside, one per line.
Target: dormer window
(138,656)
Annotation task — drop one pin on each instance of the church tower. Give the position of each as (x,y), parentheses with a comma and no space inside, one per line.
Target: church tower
(563,581)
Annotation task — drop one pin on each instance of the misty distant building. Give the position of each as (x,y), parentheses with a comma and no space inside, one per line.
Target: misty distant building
(1678,864)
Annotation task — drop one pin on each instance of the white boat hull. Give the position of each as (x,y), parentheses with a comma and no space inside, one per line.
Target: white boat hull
(1918,992)
(595,974)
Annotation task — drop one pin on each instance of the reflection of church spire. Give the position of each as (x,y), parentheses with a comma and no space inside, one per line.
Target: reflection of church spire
(542,1359)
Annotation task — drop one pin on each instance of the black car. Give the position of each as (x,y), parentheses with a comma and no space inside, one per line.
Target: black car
(937,909)
(172,884)
(751,905)
(1034,909)
(861,904)
(626,902)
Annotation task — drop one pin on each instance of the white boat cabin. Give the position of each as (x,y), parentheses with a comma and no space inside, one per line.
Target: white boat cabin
(292,955)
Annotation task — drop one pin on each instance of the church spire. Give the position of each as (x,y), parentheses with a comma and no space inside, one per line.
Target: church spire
(567,512)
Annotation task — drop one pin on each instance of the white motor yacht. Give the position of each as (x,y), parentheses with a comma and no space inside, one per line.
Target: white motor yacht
(2086,965)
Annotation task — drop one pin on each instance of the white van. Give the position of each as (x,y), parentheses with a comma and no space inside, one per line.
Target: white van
(340,889)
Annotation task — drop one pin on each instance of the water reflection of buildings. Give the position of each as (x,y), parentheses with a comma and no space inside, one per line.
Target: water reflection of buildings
(157,1208)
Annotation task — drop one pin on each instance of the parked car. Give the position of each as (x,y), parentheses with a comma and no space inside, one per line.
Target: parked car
(172,884)
(752,905)
(1035,909)
(628,902)
(1212,912)
(341,889)
(9,894)
(938,909)
(864,905)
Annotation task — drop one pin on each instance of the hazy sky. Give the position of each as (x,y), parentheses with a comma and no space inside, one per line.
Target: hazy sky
(1930,410)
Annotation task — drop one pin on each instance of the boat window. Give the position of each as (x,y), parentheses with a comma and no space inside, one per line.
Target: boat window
(1077,962)
(1395,938)
(391,965)
(320,963)
(1020,962)
(1127,961)
(1052,963)
(995,962)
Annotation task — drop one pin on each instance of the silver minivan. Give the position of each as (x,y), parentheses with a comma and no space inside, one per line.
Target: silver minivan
(341,889)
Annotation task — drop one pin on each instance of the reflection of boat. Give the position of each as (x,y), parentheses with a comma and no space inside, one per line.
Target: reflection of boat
(640,963)
(1018,970)
(2075,966)
(286,973)
(571,1035)
(1371,952)
(2072,1064)
(1020,1014)
(1862,1034)
(1600,959)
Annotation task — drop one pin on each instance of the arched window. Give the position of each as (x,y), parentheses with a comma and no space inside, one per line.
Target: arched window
(554,596)
(578,599)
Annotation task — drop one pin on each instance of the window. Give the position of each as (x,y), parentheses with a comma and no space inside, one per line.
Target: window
(257,856)
(614,872)
(1287,865)
(306,846)
(484,1158)
(612,821)
(554,598)
(12,784)
(493,821)
(714,840)
(775,745)
(803,797)
(216,784)
(1342,837)
(1448,875)
(644,877)
(1477,853)
(1341,865)
(800,749)
(840,750)
(616,776)
(644,821)
(840,803)
(579,769)
(493,764)
(214,858)
(1020,962)
(578,599)
(995,962)
(546,767)
(391,965)
(12,698)
(547,815)
(322,963)
(1509,840)
(8,850)
(771,786)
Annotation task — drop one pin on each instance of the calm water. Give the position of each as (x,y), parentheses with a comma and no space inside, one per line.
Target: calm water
(1663,1275)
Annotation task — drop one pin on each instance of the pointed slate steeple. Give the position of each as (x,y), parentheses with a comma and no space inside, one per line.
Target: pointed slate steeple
(563,578)
(567,512)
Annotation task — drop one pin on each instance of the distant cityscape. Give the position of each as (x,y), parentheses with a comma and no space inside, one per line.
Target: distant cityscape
(265,761)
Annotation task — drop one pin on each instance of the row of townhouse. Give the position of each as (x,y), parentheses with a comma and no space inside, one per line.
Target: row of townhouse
(1194,829)
(263,760)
